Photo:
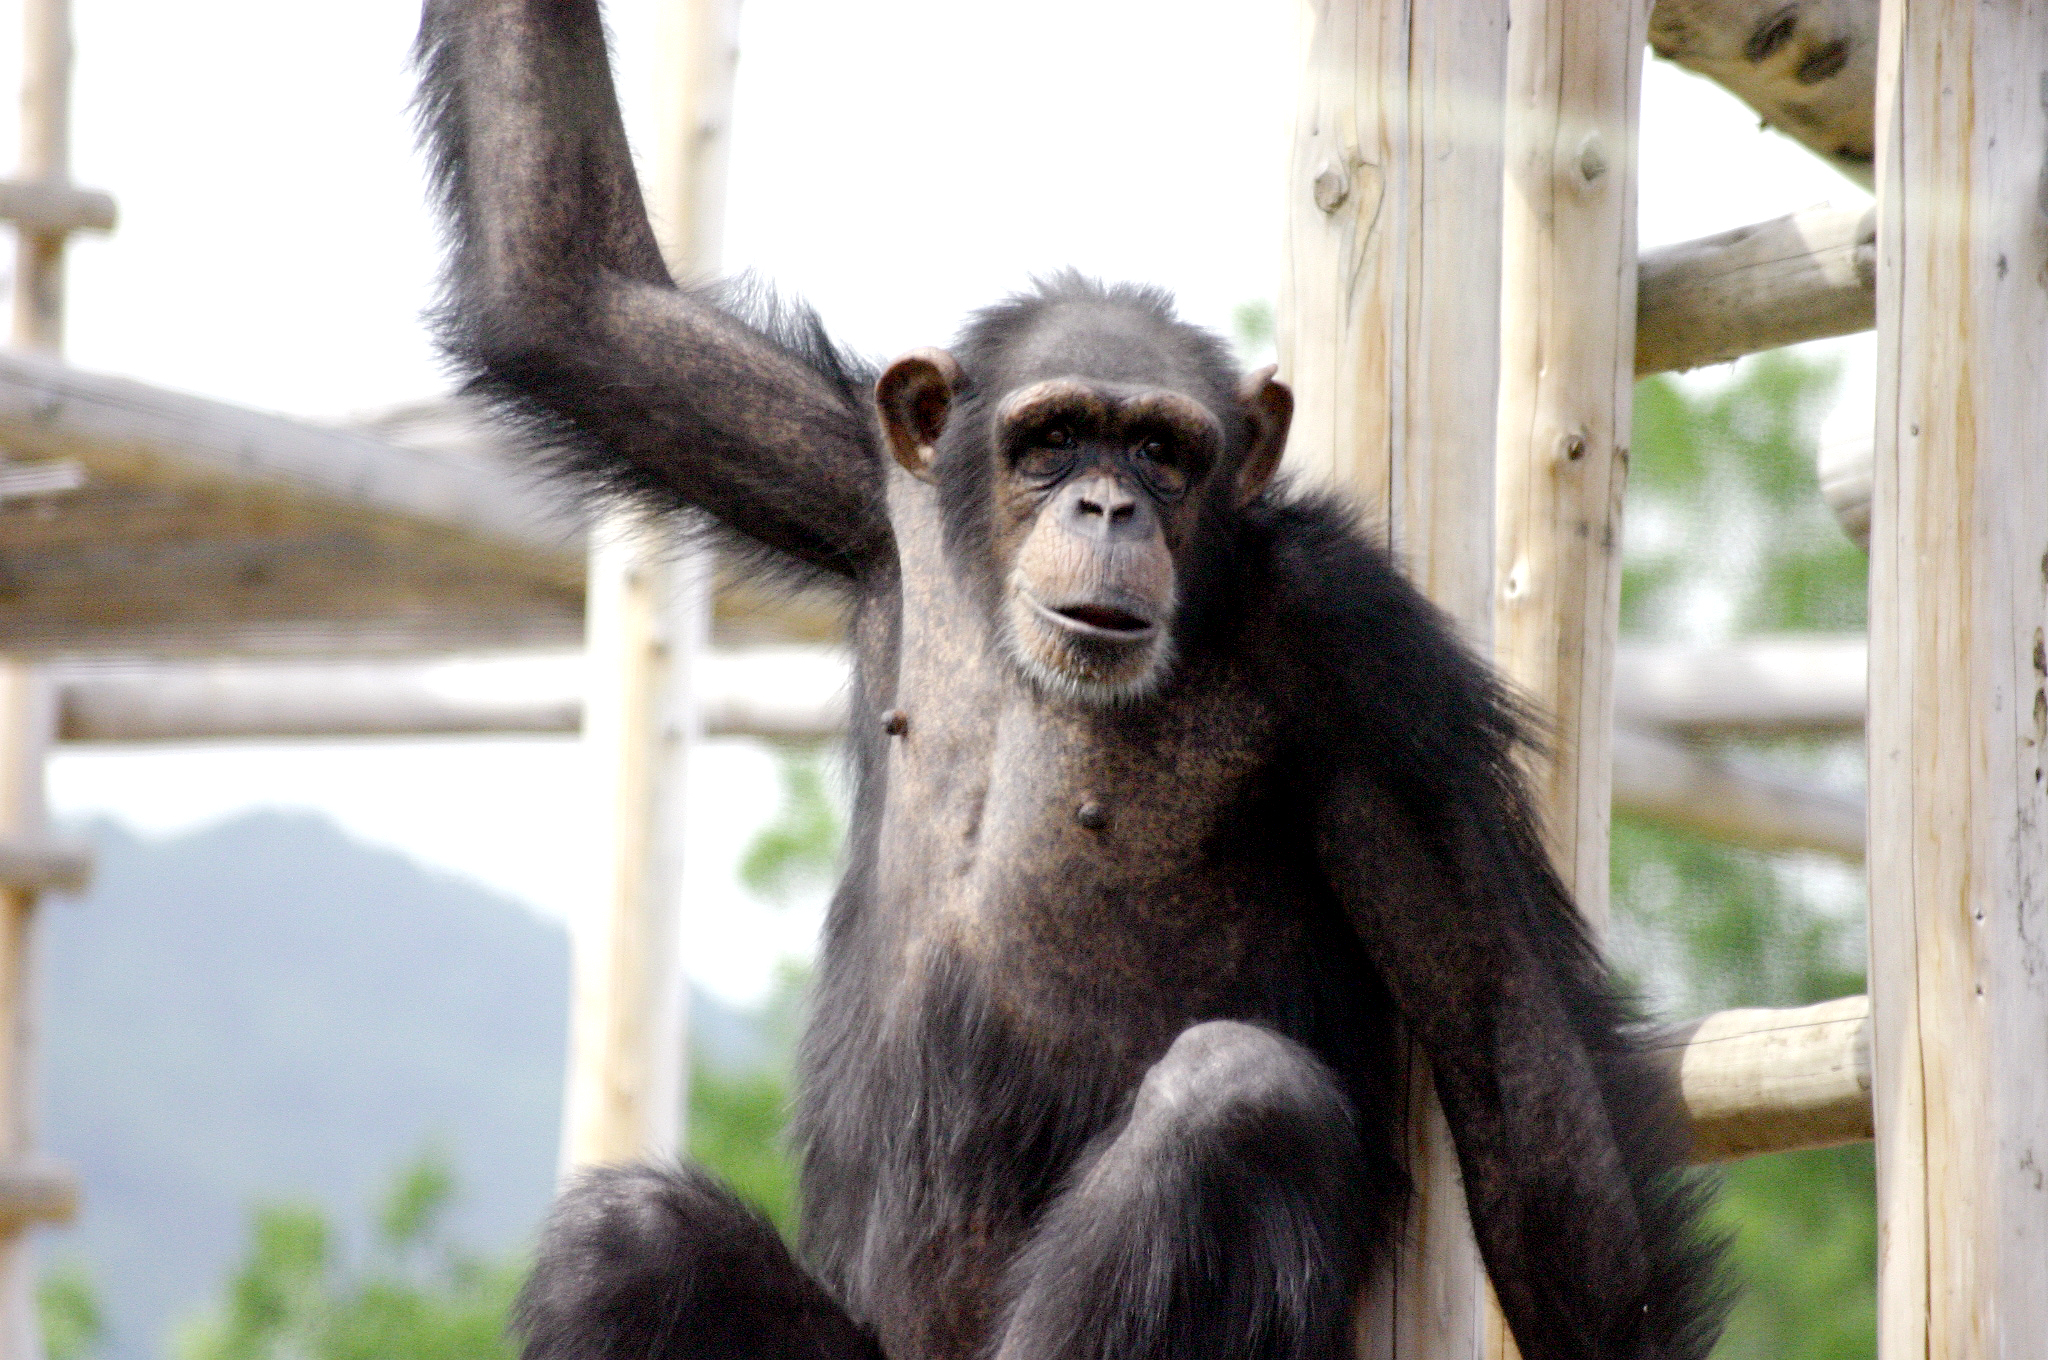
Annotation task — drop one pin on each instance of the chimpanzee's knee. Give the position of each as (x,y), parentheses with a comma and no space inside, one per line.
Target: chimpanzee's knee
(657,1263)
(1230,1216)
(1226,1080)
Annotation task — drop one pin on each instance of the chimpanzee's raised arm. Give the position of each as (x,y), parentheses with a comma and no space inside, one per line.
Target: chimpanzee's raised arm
(559,308)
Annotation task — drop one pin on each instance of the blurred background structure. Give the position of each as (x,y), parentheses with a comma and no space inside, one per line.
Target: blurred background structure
(279,1018)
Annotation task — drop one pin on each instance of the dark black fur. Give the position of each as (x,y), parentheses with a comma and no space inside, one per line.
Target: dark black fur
(1026,1140)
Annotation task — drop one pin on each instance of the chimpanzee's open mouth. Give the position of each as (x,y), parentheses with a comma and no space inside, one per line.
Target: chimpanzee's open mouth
(1095,620)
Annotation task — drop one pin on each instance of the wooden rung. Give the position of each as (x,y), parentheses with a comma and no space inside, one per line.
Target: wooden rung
(43,864)
(1773,685)
(1673,784)
(37,1192)
(41,206)
(1759,1081)
(1802,277)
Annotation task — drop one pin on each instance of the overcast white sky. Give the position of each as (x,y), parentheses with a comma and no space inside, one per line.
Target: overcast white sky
(897,162)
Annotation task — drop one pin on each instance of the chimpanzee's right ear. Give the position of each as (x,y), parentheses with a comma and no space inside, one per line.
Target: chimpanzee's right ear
(914,396)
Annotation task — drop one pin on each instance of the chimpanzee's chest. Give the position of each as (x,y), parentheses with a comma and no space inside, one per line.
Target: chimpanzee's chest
(1086,862)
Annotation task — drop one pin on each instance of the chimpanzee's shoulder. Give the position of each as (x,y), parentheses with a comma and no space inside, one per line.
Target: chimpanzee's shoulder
(1354,651)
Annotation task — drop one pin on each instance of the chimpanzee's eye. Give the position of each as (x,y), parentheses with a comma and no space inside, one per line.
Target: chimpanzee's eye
(1056,437)
(1042,463)
(1153,449)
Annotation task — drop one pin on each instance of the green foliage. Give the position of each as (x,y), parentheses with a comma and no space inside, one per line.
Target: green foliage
(416,1296)
(1251,325)
(1728,535)
(737,1118)
(736,1132)
(801,846)
(1727,530)
(68,1304)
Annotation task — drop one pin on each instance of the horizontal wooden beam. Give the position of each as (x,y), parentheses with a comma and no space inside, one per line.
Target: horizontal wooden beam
(784,693)
(781,693)
(1758,1081)
(37,1192)
(1666,782)
(41,206)
(1802,277)
(1768,685)
(44,864)
(132,431)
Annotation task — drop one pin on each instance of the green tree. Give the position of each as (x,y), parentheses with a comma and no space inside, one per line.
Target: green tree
(68,1305)
(1727,534)
(737,1119)
(416,1295)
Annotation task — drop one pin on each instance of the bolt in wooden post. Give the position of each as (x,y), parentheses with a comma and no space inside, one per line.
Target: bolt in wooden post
(1388,329)
(1958,725)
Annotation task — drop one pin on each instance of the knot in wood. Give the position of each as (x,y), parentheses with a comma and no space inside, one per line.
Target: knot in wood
(1592,157)
(1092,815)
(1332,186)
(895,722)
(1574,446)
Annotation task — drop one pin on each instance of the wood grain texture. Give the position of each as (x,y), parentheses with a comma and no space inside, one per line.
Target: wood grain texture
(1387,331)
(1807,67)
(1758,1080)
(1959,681)
(1805,276)
(1567,372)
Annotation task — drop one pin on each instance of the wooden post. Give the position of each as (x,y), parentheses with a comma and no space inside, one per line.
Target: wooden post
(648,614)
(1959,682)
(1388,326)
(1568,330)
(27,724)
(1568,326)
(45,156)
(27,709)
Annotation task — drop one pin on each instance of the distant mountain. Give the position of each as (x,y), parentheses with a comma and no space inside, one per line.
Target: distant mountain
(266,1009)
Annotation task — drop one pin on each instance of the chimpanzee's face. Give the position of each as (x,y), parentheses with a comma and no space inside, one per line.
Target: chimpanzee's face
(1097,492)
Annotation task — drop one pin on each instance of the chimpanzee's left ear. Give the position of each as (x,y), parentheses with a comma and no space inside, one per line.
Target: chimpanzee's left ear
(1269,406)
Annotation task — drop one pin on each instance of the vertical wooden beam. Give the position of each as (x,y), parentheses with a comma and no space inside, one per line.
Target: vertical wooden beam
(1388,332)
(45,157)
(1959,681)
(27,706)
(1568,330)
(648,614)
(27,727)
(1568,313)
(628,995)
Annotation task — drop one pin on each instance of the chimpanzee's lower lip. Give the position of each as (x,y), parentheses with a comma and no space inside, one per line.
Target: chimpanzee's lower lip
(1091,620)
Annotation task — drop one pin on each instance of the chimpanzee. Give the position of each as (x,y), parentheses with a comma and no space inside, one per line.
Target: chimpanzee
(1172,800)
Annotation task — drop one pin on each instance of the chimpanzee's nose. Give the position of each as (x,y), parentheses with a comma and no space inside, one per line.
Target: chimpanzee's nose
(1103,508)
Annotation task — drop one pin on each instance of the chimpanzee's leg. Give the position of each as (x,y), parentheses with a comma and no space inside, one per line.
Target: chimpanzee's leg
(1229,1217)
(647,1263)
